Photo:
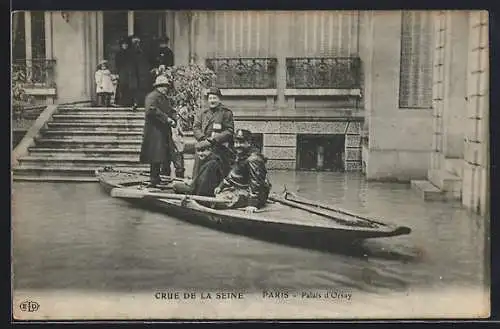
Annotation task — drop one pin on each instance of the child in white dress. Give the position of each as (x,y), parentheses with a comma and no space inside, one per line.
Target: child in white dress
(104,84)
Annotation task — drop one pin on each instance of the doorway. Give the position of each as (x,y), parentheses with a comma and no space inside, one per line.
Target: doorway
(320,152)
(148,25)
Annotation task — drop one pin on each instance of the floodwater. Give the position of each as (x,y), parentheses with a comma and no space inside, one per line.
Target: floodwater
(73,236)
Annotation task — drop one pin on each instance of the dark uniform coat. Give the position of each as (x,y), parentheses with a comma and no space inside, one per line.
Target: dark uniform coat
(218,124)
(248,177)
(157,143)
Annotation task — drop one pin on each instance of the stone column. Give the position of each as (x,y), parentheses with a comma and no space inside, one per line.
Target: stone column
(282,21)
(130,23)
(456,75)
(438,90)
(476,147)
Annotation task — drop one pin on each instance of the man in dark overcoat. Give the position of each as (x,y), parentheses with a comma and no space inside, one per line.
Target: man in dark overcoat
(157,143)
(126,72)
(140,81)
(215,125)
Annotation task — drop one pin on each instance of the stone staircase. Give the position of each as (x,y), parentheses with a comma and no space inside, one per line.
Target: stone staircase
(78,140)
(442,184)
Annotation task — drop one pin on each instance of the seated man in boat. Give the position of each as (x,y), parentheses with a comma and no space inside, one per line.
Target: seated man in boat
(210,173)
(247,183)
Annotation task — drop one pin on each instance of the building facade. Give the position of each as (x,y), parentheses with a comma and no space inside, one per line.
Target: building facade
(321,90)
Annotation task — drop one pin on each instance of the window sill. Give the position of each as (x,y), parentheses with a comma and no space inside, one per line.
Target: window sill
(41,91)
(323,92)
(249,92)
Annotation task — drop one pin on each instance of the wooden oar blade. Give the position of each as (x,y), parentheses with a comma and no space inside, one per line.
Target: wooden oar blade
(127,193)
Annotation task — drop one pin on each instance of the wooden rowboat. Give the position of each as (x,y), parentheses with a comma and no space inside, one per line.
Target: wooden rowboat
(287,218)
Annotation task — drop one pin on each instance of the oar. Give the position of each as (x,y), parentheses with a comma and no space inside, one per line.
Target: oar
(129,193)
(321,212)
(295,198)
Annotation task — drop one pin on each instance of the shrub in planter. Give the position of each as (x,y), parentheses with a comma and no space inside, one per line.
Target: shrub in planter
(189,83)
(20,99)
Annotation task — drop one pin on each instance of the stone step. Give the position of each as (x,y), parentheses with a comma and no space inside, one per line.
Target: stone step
(96,142)
(54,178)
(89,152)
(454,166)
(64,161)
(92,135)
(73,171)
(113,113)
(446,181)
(97,116)
(84,152)
(97,108)
(96,126)
(428,191)
(105,121)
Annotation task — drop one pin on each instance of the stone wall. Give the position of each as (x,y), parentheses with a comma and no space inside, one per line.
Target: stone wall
(280,139)
(75,51)
(475,194)
(399,140)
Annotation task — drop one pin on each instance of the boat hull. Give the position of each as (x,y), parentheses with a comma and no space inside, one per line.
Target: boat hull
(308,236)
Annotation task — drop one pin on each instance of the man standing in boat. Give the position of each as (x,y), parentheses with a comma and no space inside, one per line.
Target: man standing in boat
(215,125)
(157,144)
(209,175)
(247,184)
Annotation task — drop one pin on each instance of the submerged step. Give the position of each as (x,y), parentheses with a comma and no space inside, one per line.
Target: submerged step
(69,171)
(62,161)
(428,191)
(55,178)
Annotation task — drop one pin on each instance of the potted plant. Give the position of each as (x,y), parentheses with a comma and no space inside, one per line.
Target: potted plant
(20,99)
(189,83)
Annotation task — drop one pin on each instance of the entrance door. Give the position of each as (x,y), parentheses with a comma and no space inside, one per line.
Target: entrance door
(115,27)
(149,26)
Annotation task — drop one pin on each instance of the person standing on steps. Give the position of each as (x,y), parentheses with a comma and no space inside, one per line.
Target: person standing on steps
(162,57)
(125,69)
(140,82)
(215,125)
(157,144)
(104,84)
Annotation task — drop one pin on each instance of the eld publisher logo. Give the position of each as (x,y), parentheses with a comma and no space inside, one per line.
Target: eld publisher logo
(29,306)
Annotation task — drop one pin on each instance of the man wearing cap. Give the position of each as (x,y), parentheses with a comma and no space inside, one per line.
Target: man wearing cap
(247,183)
(209,175)
(215,125)
(157,144)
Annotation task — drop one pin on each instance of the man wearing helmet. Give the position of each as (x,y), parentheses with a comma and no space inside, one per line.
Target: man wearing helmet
(247,184)
(157,144)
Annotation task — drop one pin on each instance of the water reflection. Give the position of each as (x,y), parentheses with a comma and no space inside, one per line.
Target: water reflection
(74,236)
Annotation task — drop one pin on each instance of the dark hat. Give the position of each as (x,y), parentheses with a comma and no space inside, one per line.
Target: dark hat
(203,145)
(124,41)
(214,91)
(243,135)
(164,39)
